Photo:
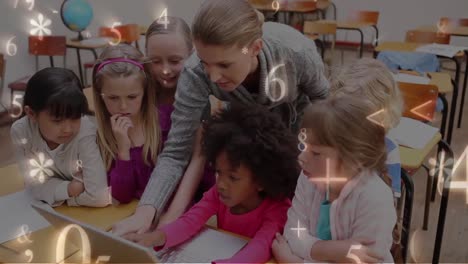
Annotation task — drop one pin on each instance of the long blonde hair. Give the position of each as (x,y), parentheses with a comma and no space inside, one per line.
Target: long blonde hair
(227,22)
(106,140)
(371,80)
(341,123)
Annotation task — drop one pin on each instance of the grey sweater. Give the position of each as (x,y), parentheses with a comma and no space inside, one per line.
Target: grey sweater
(28,143)
(304,79)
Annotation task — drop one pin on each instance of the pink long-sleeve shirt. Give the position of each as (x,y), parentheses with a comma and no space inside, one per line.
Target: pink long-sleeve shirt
(128,179)
(260,224)
(363,209)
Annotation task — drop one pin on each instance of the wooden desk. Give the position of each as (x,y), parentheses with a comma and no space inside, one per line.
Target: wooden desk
(411,47)
(453,31)
(78,45)
(412,159)
(43,245)
(289,8)
(459,32)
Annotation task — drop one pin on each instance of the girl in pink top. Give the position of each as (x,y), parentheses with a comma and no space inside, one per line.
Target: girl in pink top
(129,134)
(256,172)
(353,217)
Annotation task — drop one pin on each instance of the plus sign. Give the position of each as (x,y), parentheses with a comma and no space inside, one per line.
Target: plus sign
(298,229)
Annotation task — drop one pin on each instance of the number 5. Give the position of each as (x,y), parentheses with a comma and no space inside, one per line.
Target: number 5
(18,105)
(271,79)
(353,256)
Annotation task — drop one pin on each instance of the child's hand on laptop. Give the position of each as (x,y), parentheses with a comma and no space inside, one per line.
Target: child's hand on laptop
(153,239)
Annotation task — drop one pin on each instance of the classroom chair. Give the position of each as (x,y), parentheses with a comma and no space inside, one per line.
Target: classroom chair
(358,21)
(129,33)
(315,29)
(400,250)
(450,23)
(414,95)
(40,46)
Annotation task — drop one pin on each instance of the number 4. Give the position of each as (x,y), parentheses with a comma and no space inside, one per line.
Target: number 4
(163,17)
(354,256)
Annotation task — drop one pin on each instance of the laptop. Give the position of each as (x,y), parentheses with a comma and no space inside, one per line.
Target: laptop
(206,246)
(101,243)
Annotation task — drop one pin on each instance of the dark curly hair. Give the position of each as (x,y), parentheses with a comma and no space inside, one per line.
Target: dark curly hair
(258,139)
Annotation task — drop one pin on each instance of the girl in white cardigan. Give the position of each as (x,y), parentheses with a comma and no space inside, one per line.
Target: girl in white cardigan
(353,216)
(55,144)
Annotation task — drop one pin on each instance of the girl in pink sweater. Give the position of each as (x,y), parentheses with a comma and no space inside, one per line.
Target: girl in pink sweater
(256,171)
(352,217)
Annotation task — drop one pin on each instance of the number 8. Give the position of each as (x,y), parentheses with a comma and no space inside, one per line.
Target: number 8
(271,79)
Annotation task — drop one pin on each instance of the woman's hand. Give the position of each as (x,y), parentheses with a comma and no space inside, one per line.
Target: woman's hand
(152,239)
(140,222)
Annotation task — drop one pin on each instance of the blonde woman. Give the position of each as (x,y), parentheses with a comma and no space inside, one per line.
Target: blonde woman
(128,128)
(372,80)
(238,58)
(357,211)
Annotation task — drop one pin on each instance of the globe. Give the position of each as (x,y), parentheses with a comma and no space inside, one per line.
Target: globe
(76,15)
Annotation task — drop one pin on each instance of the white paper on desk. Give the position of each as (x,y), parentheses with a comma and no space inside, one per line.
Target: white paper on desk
(441,49)
(206,246)
(412,133)
(409,78)
(16,211)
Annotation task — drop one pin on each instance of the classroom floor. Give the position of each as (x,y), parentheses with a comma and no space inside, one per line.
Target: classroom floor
(454,247)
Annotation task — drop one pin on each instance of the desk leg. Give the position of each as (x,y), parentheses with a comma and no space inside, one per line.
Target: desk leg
(460,113)
(453,107)
(443,203)
(79,66)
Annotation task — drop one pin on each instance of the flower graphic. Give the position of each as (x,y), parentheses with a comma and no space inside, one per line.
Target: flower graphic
(41,167)
(40,26)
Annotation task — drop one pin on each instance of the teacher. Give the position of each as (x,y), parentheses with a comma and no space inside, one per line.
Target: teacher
(239,58)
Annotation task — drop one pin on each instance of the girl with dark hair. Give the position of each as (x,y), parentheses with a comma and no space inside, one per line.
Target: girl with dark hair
(55,143)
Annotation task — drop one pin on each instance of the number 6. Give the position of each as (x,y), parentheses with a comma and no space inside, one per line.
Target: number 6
(271,79)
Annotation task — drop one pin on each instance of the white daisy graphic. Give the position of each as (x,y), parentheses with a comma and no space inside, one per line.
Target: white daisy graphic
(39,27)
(41,167)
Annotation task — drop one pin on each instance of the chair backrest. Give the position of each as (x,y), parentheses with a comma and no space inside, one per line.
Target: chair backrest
(128,33)
(300,4)
(319,27)
(419,100)
(47,45)
(427,37)
(323,4)
(453,22)
(365,16)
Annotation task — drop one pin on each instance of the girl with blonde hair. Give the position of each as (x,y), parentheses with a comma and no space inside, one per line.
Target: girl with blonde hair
(128,129)
(356,208)
(371,80)
(239,58)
